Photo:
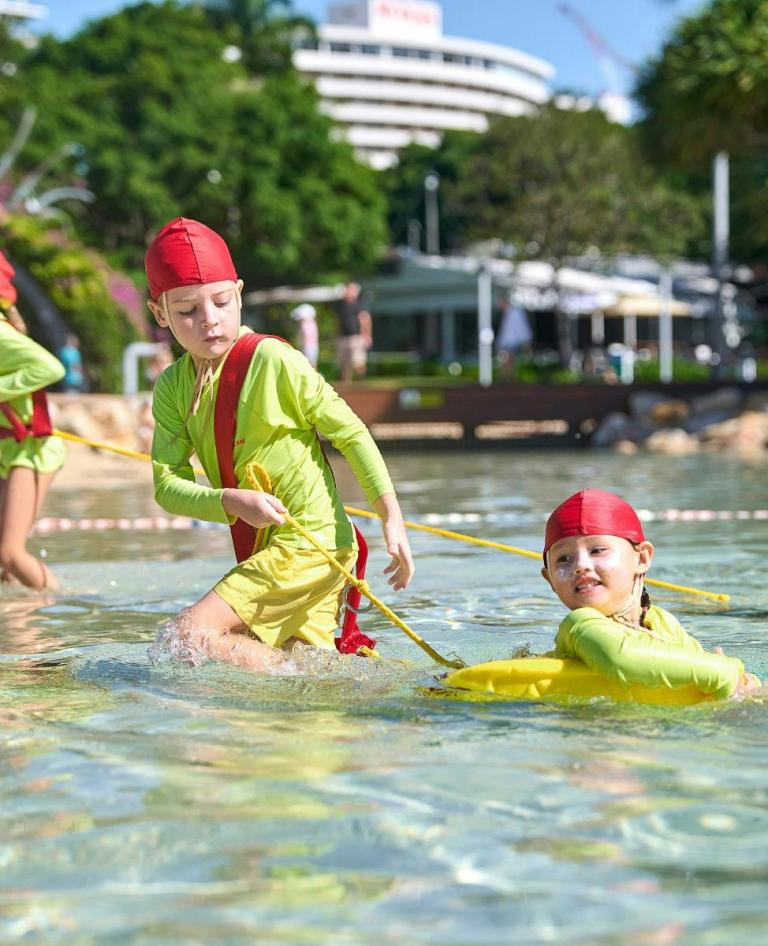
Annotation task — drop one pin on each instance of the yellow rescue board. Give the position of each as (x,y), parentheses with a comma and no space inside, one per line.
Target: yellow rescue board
(537,678)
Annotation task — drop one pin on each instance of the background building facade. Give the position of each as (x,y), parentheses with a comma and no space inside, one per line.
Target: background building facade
(21,10)
(388,76)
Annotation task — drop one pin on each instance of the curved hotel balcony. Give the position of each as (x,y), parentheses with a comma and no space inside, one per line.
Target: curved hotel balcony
(21,10)
(389,77)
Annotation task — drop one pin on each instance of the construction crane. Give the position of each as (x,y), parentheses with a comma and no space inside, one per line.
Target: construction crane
(603,50)
(614,101)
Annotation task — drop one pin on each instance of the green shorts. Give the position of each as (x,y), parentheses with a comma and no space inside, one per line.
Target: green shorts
(43,454)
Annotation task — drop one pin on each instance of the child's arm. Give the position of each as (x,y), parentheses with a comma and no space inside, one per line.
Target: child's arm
(26,366)
(400,569)
(636,657)
(175,487)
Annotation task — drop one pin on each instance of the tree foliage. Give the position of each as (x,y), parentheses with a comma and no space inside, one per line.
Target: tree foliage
(553,184)
(170,124)
(262,29)
(707,92)
(82,288)
(708,89)
(403,185)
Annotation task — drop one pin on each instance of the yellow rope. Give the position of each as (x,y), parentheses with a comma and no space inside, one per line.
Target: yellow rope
(527,553)
(97,445)
(258,478)
(417,526)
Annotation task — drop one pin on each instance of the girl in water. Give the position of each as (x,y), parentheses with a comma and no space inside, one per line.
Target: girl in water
(595,559)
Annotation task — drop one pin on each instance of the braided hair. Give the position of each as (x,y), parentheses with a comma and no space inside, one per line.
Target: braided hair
(645,604)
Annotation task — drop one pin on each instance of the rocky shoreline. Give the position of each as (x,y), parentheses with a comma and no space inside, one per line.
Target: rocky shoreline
(727,420)
(722,421)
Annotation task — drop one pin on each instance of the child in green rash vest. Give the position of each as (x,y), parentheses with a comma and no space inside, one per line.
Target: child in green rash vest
(29,456)
(595,557)
(282,591)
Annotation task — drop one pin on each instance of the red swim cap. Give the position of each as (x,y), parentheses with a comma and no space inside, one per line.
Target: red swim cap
(593,512)
(7,288)
(186,253)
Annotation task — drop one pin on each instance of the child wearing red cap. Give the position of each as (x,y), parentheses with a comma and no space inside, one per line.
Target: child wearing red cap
(595,558)
(282,590)
(29,456)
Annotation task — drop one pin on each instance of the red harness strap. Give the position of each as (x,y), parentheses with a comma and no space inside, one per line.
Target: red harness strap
(352,638)
(38,426)
(244,535)
(224,420)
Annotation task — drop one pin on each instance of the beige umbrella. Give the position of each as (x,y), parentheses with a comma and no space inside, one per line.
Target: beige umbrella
(662,307)
(646,306)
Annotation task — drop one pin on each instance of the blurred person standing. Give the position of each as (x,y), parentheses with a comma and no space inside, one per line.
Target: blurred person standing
(355,334)
(514,335)
(29,456)
(309,337)
(69,355)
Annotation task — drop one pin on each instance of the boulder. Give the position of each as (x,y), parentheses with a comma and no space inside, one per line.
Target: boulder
(756,401)
(642,403)
(627,448)
(72,415)
(724,400)
(673,442)
(745,436)
(698,422)
(670,413)
(117,419)
(615,427)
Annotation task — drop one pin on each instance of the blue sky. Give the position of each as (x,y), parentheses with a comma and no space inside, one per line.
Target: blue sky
(635,29)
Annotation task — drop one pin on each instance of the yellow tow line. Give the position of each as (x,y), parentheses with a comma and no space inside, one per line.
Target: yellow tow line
(417,526)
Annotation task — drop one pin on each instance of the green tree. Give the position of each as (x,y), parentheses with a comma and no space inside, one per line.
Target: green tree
(263,29)
(555,184)
(707,92)
(403,185)
(82,288)
(171,125)
(708,89)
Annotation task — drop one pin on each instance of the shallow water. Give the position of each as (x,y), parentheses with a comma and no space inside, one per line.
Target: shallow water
(160,804)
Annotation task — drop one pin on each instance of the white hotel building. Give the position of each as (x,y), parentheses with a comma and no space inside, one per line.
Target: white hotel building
(388,76)
(21,10)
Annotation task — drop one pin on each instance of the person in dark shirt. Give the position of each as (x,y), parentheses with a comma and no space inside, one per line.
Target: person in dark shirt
(355,334)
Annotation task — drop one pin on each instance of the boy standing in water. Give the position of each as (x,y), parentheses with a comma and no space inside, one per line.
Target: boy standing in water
(282,590)
(595,559)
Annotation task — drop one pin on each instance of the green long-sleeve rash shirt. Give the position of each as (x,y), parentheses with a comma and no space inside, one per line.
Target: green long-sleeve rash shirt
(662,655)
(25,367)
(283,402)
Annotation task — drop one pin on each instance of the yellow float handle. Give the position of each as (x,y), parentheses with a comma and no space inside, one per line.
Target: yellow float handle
(417,526)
